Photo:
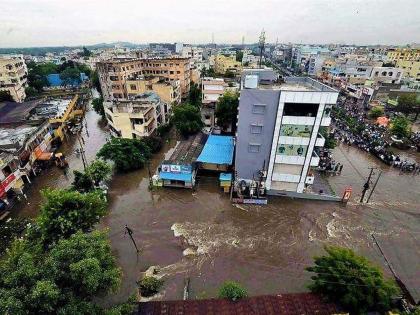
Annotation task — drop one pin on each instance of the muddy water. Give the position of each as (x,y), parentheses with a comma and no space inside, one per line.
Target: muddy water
(202,236)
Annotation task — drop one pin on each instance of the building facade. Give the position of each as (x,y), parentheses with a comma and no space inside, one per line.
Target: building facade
(137,117)
(278,131)
(223,63)
(211,90)
(13,76)
(398,54)
(113,74)
(410,68)
(168,91)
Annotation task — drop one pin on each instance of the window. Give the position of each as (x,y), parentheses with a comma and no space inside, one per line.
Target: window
(300,109)
(133,87)
(256,129)
(254,147)
(171,72)
(258,108)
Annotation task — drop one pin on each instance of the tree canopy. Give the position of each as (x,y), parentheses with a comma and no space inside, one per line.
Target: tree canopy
(63,280)
(127,154)
(64,212)
(70,76)
(227,110)
(99,171)
(187,119)
(194,95)
(352,281)
(98,106)
(400,126)
(408,104)
(232,290)
(376,112)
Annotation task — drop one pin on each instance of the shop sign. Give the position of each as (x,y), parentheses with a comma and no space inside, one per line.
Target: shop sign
(8,182)
(346,194)
(174,168)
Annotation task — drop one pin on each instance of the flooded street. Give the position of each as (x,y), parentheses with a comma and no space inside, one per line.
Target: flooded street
(201,236)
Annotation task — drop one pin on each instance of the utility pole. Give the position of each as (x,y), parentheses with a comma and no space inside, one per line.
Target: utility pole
(130,233)
(82,153)
(374,186)
(366,185)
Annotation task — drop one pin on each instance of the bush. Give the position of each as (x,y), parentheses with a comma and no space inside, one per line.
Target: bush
(149,286)
(400,127)
(376,112)
(155,143)
(232,290)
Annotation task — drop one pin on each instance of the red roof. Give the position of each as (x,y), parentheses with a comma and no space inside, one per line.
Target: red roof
(287,304)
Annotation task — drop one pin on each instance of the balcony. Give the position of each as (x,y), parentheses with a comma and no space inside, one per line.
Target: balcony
(298,120)
(286,178)
(294,140)
(320,141)
(314,159)
(325,121)
(290,159)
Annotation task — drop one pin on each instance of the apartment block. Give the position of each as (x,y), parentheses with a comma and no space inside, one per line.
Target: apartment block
(398,54)
(386,74)
(223,63)
(113,74)
(168,91)
(411,69)
(278,132)
(211,90)
(13,76)
(136,117)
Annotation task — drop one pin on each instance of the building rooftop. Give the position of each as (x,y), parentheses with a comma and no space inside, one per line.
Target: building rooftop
(14,137)
(285,304)
(11,112)
(299,84)
(217,150)
(187,151)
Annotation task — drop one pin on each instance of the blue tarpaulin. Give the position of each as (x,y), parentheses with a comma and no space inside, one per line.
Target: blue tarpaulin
(186,177)
(55,80)
(217,150)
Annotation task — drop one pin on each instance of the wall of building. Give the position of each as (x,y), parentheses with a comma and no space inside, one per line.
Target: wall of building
(13,76)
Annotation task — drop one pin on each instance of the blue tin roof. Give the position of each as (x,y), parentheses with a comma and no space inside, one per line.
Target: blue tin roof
(217,150)
(225,177)
(55,80)
(186,177)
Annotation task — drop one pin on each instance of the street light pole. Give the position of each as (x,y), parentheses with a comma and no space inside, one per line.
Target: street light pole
(374,186)
(82,153)
(366,185)
(130,233)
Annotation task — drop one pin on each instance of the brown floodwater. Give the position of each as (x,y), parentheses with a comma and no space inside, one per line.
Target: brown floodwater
(200,235)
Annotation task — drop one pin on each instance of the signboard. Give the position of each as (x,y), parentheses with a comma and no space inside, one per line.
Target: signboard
(175,168)
(250,201)
(7,183)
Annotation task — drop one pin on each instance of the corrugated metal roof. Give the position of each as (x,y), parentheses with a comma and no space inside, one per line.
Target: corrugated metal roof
(217,150)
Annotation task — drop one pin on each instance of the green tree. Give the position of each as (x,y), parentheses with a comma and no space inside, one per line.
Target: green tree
(229,74)
(98,106)
(376,112)
(5,96)
(63,280)
(11,229)
(194,95)
(400,127)
(127,154)
(352,281)
(64,212)
(227,110)
(86,52)
(94,78)
(330,142)
(407,103)
(70,76)
(239,55)
(155,143)
(232,290)
(150,286)
(82,182)
(187,119)
(99,171)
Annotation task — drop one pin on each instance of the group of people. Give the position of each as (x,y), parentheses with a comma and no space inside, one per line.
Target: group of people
(369,137)
(327,164)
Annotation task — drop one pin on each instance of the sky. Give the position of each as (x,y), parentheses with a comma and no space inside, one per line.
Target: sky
(29,23)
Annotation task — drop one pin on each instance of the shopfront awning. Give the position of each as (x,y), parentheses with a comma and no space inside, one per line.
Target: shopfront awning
(44,156)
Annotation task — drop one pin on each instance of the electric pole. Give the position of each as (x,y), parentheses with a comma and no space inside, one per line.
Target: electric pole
(366,185)
(374,186)
(82,153)
(130,233)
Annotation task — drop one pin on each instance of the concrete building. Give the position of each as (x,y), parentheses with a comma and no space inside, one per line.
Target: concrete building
(168,91)
(277,132)
(411,69)
(194,53)
(113,74)
(137,117)
(408,54)
(223,63)
(386,74)
(13,76)
(211,90)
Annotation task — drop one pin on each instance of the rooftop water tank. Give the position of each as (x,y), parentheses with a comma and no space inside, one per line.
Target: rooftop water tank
(251,81)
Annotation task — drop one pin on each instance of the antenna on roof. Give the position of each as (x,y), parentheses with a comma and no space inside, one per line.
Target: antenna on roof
(261,45)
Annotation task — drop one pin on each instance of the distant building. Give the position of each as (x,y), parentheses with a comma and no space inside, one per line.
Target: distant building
(278,131)
(113,74)
(223,64)
(410,68)
(211,90)
(407,54)
(386,74)
(138,116)
(13,76)
(168,91)
(195,53)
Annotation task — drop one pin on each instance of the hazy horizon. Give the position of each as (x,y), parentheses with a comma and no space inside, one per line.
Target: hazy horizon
(50,23)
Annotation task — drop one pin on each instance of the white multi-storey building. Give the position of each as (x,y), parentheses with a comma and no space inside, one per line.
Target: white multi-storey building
(13,76)
(278,131)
